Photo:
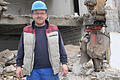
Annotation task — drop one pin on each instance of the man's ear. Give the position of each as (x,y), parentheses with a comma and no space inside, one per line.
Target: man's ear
(32,16)
(46,16)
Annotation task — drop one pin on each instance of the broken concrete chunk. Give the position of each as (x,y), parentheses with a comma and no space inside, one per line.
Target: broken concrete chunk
(77,68)
(10,78)
(10,68)
(8,16)
(4,8)
(8,55)
(0,8)
(1,69)
(3,3)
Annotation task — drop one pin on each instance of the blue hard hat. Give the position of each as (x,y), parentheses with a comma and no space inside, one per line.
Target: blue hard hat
(38,5)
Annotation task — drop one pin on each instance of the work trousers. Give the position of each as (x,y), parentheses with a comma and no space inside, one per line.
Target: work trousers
(42,74)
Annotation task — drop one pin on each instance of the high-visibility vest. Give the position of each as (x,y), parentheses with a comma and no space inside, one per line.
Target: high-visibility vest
(53,48)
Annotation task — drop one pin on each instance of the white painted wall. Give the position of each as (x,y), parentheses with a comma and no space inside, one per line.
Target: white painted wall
(113,27)
(115,50)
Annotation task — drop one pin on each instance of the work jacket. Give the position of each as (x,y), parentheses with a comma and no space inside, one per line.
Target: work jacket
(53,48)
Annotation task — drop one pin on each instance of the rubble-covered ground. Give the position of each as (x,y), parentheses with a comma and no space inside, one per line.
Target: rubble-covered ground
(77,71)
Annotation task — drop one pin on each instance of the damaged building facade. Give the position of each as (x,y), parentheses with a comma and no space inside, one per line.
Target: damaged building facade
(14,15)
(18,14)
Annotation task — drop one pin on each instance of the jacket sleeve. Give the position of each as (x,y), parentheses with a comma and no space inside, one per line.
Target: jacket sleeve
(20,54)
(63,55)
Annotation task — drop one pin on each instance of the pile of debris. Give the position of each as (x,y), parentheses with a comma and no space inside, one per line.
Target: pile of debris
(85,71)
(77,71)
(8,64)
(3,8)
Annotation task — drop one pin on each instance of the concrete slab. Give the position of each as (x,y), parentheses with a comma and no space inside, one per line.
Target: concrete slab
(59,21)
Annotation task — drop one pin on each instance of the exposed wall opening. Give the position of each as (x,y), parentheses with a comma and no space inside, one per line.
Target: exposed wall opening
(70,34)
(76,6)
(9,42)
(9,36)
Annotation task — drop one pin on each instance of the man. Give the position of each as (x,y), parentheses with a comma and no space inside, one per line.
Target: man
(41,48)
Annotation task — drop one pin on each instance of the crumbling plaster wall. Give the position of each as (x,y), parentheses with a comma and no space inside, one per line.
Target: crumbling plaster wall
(112,16)
(118,7)
(55,7)
(19,7)
(60,7)
(82,8)
(117,3)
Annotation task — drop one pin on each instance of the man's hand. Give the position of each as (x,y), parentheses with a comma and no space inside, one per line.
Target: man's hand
(64,69)
(19,73)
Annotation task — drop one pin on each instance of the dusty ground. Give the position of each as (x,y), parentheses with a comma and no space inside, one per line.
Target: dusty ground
(7,67)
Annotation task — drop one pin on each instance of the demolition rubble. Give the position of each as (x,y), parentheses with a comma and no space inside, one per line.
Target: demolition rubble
(77,71)
(81,59)
(3,9)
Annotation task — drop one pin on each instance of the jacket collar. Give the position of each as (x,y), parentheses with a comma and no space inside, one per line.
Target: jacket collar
(46,21)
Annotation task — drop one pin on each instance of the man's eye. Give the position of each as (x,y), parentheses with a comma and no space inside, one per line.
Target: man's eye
(39,13)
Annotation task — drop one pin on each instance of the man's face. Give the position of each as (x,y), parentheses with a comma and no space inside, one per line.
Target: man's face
(39,16)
